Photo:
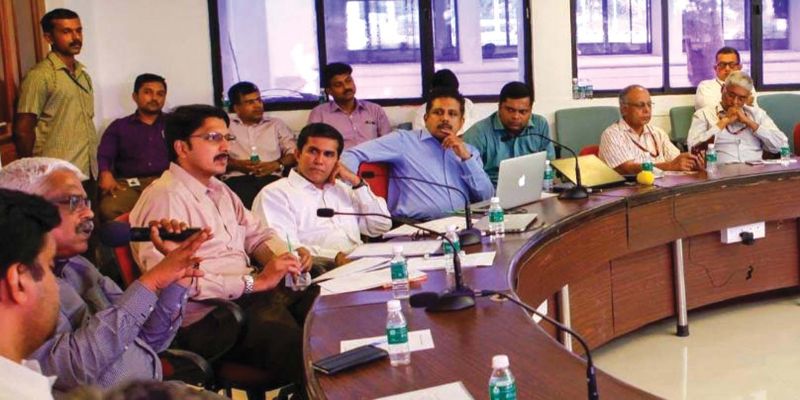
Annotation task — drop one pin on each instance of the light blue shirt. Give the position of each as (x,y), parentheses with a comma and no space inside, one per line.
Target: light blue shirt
(419,155)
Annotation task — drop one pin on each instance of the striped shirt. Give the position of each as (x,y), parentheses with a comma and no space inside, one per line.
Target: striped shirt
(63,102)
(619,144)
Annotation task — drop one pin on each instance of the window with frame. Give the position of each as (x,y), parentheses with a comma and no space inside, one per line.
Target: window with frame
(392,45)
(695,30)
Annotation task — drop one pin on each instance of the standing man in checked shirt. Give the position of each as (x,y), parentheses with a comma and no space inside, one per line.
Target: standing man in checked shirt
(56,100)
(357,120)
(104,335)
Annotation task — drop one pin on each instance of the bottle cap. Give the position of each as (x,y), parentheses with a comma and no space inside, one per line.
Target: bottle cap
(394,305)
(711,145)
(398,250)
(495,199)
(498,361)
(452,228)
(546,162)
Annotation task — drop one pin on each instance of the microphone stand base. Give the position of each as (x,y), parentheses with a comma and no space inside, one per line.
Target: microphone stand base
(468,237)
(457,299)
(574,193)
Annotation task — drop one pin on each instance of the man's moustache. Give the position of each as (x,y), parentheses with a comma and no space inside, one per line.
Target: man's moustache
(86,227)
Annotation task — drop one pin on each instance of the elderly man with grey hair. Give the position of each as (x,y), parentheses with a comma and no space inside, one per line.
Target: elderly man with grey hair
(739,132)
(632,141)
(104,336)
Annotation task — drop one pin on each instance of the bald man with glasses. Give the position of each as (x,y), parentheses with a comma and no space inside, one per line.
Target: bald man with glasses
(632,140)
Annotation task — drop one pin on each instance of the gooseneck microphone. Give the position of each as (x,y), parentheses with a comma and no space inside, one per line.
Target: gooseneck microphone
(574,193)
(457,298)
(467,236)
(118,233)
(591,376)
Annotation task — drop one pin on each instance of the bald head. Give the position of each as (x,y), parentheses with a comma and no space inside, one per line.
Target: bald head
(635,107)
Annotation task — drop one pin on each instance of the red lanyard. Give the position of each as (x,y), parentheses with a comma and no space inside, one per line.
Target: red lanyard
(655,143)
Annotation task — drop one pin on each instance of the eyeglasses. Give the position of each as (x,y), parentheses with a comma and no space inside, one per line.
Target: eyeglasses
(215,137)
(733,96)
(75,202)
(641,104)
(724,65)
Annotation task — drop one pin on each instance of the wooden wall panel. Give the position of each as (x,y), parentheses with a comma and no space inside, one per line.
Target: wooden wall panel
(591,307)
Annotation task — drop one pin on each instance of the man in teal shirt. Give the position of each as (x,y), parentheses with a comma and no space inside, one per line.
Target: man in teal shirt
(510,132)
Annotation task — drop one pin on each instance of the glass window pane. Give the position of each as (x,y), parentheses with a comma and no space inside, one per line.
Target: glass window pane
(379,38)
(488,34)
(781,41)
(254,48)
(698,28)
(614,43)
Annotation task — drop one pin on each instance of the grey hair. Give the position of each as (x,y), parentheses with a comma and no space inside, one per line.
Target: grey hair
(30,174)
(741,79)
(624,93)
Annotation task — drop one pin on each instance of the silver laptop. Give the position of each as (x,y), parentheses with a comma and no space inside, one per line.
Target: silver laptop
(519,181)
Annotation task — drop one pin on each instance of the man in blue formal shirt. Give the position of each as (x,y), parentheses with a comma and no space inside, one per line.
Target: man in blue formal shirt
(434,154)
(510,132)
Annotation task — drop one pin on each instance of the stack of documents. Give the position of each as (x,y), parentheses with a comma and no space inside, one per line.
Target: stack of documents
(437,225)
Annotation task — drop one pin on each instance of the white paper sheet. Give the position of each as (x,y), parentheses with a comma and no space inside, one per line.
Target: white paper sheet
(469,260)
(449,391)
(361,265)
(417,340)
(438,225)
(363,281)
(385,249)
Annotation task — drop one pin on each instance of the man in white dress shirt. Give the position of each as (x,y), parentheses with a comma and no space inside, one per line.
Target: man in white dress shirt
(28,292)
(631,141)
(739,132)
(320,181)
(709,91)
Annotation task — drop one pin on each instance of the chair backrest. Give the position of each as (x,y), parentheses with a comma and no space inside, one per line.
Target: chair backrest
(783,109)
(681,120)
(581,127)
(592,149)
(127,266)
(379,184)
(797,139)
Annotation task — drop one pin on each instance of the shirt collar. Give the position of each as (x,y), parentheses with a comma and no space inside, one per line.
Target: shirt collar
(59,64)
(628,130)
(497,125)
(299,181)
(196,188)
(334,107)
(28,372)
(134,118)
(424,134)
(235,118)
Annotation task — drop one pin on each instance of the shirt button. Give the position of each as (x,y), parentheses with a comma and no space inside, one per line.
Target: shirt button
(150,308)
(126,348)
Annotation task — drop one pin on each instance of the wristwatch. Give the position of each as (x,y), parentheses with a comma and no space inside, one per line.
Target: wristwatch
(249,284)
(360,184)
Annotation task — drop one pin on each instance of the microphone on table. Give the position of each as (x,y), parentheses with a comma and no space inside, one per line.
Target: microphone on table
(467,236)
(457,298)
(118,233)
(574,193)
(591,376)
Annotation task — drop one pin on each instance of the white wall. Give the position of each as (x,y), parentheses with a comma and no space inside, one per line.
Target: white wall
(124,38)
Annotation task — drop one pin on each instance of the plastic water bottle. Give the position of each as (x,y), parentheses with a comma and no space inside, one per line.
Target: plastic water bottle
(549,175)
(497,226)
(397,334)
(323,96)
(786,155)
(399,270)
(576,94)
(581,88)
(711,160)
(449,265)
(254,158)
(589,89)
(501,383)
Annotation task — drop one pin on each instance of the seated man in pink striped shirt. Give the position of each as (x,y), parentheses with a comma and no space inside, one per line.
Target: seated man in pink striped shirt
(632,141)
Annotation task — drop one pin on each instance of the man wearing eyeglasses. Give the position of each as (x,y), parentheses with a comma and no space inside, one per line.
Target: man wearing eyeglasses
(199,145)
(632,140)
(709,91)
(739,132)
(104,336)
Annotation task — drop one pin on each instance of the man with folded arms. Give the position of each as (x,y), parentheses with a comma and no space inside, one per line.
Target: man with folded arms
(435,154)
(105,335)
(739,132)
(27,288)
(632,140)
(321,181)
(198,142)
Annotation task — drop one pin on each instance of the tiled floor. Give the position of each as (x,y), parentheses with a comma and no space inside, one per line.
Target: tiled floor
(744,351)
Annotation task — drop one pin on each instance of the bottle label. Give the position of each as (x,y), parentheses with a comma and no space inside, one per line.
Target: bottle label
(447,249)
(254,158)
(503,392)
(496,216)
(785,153)
(399,270)
(549,174)
(711,157)
(647,166)
(397,335)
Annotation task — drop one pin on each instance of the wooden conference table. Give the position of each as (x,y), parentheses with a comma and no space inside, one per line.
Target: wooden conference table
(607,265)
